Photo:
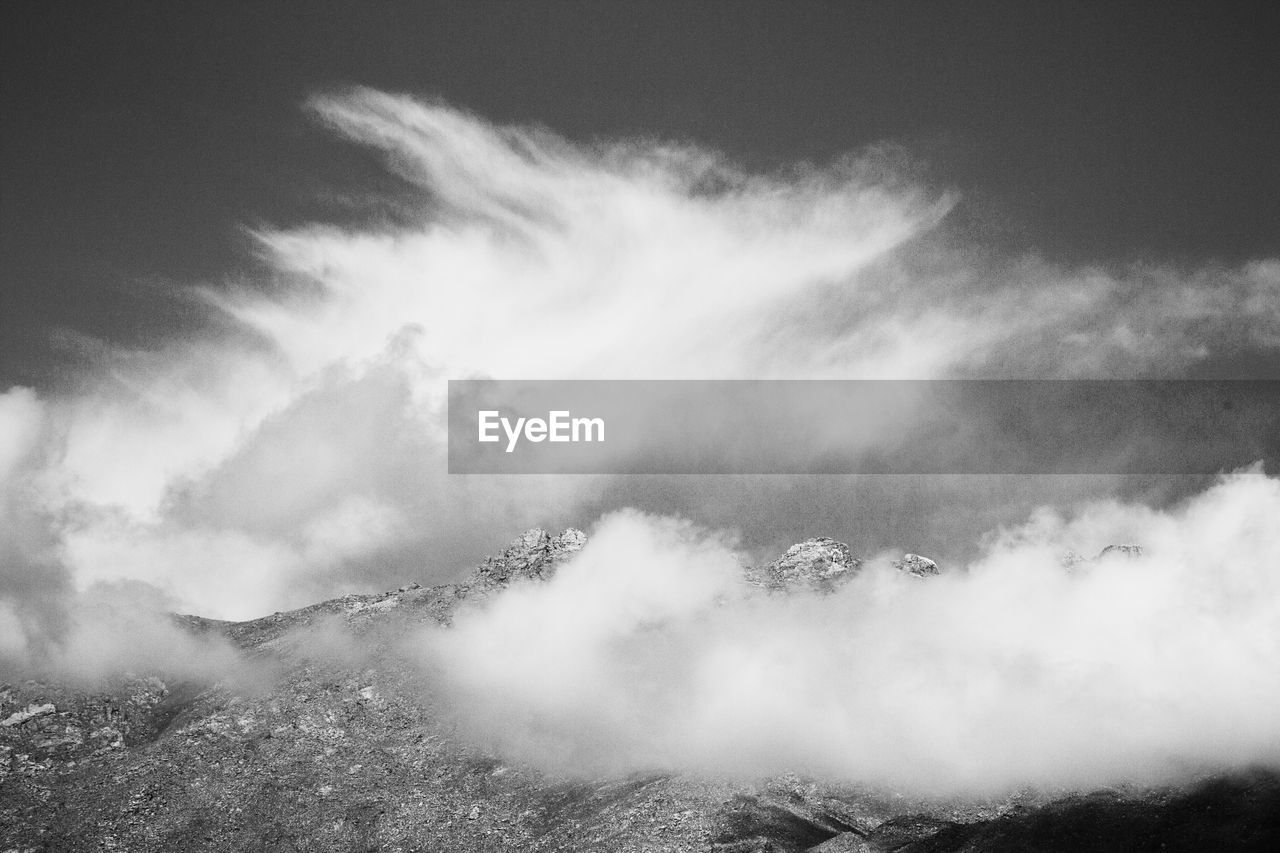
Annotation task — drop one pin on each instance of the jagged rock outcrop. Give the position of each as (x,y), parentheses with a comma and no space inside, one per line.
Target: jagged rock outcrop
(1074,563)
(49,726)
(820,564)
(1126,550)
(30,712)
(917,566)
(533,556)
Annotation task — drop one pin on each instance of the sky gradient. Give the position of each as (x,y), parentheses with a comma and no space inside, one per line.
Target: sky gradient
(141,139)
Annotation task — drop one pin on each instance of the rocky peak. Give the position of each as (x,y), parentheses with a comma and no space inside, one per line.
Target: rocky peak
(914,564)
(819,564)
(534,555)
(1127,550)
(1073,562)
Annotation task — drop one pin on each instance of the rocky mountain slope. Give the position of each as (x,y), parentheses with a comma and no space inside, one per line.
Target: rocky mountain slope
(340,746)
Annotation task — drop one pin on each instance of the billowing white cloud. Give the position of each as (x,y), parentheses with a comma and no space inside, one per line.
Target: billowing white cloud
(646,652)
(293,450)
(21,420)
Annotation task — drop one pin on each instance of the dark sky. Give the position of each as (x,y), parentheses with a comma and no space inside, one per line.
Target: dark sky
(138,138)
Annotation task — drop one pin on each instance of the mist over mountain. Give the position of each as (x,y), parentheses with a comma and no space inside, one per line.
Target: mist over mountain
(557,699)
(245,604)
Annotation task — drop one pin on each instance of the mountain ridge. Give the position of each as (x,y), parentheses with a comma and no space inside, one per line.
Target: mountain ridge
(342,747)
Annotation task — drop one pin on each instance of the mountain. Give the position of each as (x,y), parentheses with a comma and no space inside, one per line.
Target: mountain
(335,742)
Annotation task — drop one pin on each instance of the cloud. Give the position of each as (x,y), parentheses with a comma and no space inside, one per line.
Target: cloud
(646,652)
(32,582)
(123,628)
(292,449)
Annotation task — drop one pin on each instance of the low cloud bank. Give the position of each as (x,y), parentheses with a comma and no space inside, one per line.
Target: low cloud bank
(114,630)
(647,652)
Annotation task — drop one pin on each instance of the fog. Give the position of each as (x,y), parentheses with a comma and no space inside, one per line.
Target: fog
(647,652)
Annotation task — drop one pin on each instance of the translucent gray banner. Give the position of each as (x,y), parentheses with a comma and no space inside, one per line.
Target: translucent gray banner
(861,426)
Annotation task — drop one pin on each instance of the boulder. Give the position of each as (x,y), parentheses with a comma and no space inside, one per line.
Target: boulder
(917,566)
(820,564)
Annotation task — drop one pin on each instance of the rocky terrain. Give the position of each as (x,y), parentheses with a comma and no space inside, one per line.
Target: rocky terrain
(340,747)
